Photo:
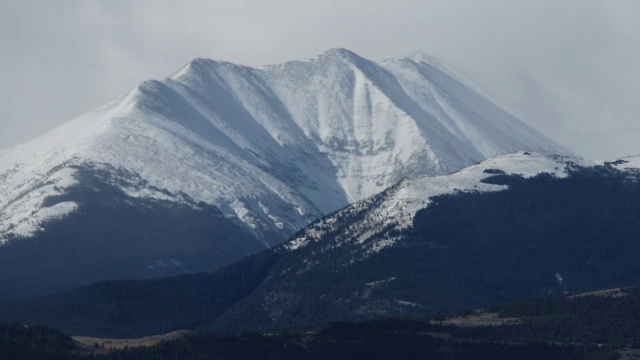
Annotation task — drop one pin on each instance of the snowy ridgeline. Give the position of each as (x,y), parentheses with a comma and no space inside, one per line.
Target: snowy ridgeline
(395,208)
(273,147)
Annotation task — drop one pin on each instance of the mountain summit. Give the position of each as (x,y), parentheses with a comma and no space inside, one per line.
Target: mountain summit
(263,151)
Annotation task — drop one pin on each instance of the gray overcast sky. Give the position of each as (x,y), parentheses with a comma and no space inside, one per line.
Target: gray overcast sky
(571,66)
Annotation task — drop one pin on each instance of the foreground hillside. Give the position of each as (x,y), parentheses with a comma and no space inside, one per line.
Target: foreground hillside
(511,227)
(602,325)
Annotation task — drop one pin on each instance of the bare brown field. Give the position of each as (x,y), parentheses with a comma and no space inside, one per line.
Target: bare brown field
(480,318)
(614,293)
(104,345)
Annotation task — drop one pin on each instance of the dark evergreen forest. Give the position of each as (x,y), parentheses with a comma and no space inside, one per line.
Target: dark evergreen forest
(601,326)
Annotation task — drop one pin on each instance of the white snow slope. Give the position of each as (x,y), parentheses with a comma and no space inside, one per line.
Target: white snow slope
(273,147)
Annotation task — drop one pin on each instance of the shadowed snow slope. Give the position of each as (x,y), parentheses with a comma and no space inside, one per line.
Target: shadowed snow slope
(272,148)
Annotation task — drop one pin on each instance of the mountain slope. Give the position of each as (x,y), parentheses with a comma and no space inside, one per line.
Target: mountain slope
(513,226)
(338,124)
(510,227)
(268,149)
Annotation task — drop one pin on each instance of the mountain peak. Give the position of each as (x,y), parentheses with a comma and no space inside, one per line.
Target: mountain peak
(420,57)
(147,87)
(341,54)
(269,148)
(315,129)
(200,68)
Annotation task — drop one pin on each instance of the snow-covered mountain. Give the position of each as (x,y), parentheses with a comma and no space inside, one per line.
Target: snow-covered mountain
(270,148)
(273,147)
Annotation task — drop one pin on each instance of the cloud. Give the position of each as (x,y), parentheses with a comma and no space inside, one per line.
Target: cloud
(62,58)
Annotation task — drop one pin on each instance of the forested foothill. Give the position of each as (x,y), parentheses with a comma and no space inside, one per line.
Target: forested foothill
(544,239)
(542,236)
(593,326)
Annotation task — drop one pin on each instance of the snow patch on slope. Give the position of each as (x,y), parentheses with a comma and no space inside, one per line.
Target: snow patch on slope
(628,163)
(24,216)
